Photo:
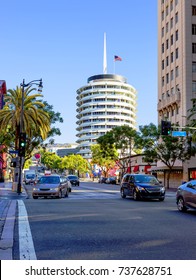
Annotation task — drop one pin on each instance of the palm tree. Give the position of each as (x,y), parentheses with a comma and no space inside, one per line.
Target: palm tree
(35,120)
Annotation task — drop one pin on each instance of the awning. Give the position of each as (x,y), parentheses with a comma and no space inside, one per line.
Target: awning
(136,168)
(146,168)
(129,169)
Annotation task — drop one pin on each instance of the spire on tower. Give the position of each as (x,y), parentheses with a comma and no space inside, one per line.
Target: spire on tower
(104,56)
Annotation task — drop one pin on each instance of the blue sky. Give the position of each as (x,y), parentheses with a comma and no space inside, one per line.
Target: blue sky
(62,42)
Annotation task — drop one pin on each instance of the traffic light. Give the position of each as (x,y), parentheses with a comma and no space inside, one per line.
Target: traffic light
(166,128)
(22,144)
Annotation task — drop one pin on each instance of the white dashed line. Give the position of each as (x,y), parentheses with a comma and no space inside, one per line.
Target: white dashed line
(26,246)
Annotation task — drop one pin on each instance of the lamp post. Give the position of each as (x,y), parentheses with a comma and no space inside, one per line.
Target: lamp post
(23,85)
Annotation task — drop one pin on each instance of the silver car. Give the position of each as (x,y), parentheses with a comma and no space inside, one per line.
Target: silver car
(186,196)
(51,186)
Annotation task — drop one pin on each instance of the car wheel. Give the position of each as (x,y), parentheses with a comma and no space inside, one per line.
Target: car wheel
(123,195)
(135,195)
(78,184)
(180,205)
(67,193)
(60,194)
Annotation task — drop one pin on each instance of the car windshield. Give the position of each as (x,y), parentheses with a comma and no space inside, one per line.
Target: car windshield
(30,176)
(146,179)
(49,180)
(72,177)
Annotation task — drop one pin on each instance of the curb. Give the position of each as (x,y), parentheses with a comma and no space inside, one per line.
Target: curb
(7,237)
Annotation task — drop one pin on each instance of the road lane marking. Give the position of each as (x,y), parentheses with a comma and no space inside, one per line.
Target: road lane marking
(26,246)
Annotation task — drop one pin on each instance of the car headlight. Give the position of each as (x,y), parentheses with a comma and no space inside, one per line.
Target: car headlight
(163,189)
(56,189)
(35,189)
(140,189)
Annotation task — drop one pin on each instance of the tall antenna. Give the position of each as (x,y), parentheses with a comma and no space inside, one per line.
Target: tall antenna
(104,56)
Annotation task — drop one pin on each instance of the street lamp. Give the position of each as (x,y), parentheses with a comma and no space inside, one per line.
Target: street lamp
(23,85)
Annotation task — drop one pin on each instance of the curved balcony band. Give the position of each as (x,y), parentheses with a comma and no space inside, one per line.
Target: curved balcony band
(105,102)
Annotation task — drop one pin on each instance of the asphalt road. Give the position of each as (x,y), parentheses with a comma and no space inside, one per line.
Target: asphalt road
(96,223)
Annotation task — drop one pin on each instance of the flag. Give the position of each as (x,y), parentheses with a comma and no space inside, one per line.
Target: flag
(117,58)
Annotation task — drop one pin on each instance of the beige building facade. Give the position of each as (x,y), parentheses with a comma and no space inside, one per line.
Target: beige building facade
(177,66)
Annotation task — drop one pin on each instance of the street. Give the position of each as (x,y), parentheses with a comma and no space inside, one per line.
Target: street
(94,222)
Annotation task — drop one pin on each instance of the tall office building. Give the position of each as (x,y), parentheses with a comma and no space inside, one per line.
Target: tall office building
(105,102)
(177,64)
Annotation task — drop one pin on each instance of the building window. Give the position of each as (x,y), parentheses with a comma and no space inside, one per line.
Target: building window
(176,17)
(194,86)
(163,48)
(163,81)
(172,57)
(193,47)
(193,10)
(162,15)
(193,29)
(171,5)
(172,75)
(162,31)
(177,71)
(176,2)
(167,27)
(167,78)
(177,54)
(171,23)
(167,61)
(194,67)
(176,35)
(172,39)
(172,91)
(167,44)
(167,11)
(163,64)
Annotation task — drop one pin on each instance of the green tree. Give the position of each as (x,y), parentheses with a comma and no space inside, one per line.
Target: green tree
(38,119)
(192,120)
(122,139)
(105,162)
(77,163)
(35,120)
(166,149)
(51,160)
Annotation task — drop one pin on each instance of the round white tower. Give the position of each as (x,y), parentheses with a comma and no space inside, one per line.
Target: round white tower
(105,102)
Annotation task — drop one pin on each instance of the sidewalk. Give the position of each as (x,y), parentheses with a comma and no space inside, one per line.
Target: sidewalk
(8,204)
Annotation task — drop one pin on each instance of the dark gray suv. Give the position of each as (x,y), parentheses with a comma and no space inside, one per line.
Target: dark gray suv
(186,196)
(142,186)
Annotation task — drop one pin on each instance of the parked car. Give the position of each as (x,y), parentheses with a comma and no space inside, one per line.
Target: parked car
(186,196)
(102,180)
(73,179)
(111,180)
(29,178)
(51,186)
(142,186)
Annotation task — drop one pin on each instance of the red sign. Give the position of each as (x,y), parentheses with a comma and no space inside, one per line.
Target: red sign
(37,156)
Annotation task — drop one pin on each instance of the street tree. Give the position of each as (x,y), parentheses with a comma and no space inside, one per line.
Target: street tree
(75,163)
(38,120)
(122,139)
(192,119)
(51,160)
(103,159)
(167,149)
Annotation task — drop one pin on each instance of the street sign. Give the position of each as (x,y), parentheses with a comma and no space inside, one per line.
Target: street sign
(13,152)
(179,133)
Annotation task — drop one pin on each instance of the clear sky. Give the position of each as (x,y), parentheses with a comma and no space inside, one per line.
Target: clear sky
(61,42)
